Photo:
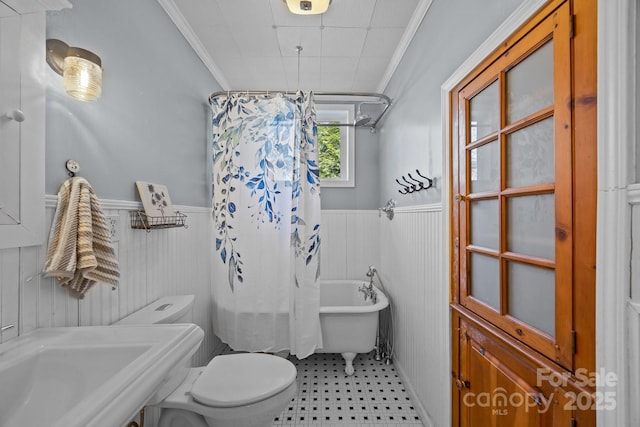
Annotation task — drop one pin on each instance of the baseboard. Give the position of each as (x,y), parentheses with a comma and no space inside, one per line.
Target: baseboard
(422,413)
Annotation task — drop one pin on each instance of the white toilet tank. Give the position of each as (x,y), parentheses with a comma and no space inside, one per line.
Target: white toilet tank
(170,309)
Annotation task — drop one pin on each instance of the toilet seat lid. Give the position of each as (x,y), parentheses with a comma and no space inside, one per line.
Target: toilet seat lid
(240,379)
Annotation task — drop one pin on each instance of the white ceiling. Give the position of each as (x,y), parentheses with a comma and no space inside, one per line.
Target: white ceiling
(251,44)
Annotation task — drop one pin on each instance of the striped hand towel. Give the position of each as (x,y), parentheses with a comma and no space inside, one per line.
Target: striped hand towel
(80,253)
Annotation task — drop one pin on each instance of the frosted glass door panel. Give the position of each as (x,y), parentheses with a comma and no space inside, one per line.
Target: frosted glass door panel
(532,295)
(530,84)
(485,167)
(530,155)
(531,225)
(484,223)
(485,279)
(485,112)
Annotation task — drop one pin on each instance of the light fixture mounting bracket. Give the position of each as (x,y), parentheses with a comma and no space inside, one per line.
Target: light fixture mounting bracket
(305,5)
(56,52)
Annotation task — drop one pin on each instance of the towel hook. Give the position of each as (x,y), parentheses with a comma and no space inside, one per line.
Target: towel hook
(72,167)
(420,183)
(404,187)
(429,180)
(412,186)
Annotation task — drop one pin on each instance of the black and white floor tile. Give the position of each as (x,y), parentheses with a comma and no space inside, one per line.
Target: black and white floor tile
(373,396)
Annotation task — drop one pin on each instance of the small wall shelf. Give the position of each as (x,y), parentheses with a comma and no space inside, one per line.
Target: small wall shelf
(142,221)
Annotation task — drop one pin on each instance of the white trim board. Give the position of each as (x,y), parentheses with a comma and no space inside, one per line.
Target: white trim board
(616,137)
(434,207)
(633,194)
(422,412)
(51,201)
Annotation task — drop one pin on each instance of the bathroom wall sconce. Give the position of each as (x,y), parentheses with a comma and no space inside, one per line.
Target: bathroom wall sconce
(80,69)
(307,7)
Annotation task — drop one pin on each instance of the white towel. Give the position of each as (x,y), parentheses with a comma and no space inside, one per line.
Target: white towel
(80,252)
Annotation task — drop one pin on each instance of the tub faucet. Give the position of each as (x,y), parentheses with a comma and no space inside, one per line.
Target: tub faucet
(369,291)
(371,272)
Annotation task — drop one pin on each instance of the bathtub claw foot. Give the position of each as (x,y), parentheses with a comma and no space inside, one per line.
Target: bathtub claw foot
(348,358)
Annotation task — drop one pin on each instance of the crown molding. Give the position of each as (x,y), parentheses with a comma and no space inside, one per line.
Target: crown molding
(178,18)
(403,45)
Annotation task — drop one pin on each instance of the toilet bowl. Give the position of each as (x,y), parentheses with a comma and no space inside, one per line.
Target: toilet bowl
(233,390)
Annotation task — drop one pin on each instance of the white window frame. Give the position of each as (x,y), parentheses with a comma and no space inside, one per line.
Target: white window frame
(343,114)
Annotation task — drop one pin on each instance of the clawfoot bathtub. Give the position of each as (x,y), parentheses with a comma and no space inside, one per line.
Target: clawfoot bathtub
(349,322)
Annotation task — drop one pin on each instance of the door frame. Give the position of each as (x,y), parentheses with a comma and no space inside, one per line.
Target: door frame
(616,109)
(616,140)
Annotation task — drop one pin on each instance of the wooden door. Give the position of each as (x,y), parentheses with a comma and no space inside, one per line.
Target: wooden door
(514,190)
(523,264)
(502,386)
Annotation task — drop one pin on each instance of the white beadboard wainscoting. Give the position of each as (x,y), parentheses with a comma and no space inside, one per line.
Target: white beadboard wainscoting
(407,252)
(633,317)
(162,262)
(349,243)
(412,254)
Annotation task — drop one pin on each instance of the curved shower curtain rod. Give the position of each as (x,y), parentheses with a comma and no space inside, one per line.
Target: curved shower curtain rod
(335,97)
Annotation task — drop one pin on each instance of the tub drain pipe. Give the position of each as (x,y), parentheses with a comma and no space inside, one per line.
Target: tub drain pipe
(385,353)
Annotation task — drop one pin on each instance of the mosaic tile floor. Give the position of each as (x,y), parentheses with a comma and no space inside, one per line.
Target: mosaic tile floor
(373,396)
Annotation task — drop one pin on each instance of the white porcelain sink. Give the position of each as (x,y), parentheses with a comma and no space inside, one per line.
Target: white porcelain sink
(91,376)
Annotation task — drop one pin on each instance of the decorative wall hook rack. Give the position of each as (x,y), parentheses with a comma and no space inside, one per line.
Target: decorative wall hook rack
(416,184)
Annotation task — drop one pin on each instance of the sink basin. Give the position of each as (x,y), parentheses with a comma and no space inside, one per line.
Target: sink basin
(91,376)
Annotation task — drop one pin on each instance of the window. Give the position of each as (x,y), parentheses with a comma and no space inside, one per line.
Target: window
(336,145)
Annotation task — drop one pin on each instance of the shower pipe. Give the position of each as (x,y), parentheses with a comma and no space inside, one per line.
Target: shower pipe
(384,99)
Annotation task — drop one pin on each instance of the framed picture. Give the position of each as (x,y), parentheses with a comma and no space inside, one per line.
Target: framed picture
(155,200)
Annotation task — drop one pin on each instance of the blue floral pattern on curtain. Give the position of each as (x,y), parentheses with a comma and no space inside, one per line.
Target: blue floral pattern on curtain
(265,177)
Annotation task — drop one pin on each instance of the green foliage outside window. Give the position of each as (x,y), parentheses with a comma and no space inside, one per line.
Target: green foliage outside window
(329,155)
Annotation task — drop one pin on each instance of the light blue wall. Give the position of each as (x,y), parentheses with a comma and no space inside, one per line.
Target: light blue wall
(365,194)
(411,136)
(150,123)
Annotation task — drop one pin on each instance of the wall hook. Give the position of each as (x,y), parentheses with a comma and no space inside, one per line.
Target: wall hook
(430,180)
(72,167)
(415,184)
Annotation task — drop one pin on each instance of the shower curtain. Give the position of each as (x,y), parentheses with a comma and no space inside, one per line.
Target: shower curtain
(266,213)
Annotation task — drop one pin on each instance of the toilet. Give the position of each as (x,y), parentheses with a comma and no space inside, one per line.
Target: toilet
(233,390)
